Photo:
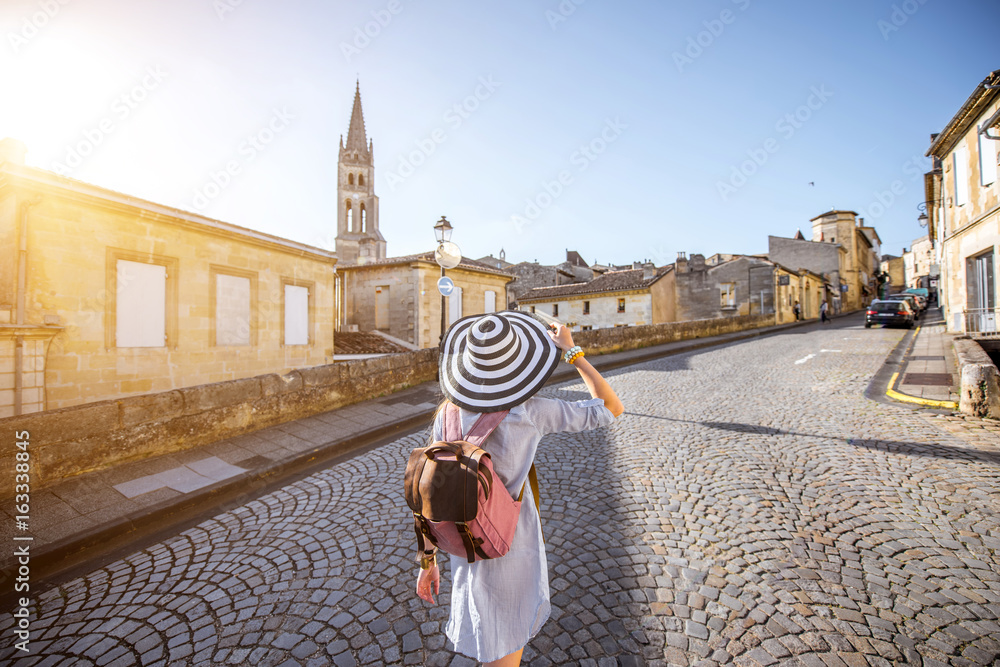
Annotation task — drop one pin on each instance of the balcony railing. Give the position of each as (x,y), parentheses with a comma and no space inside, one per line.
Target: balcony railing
(982,320)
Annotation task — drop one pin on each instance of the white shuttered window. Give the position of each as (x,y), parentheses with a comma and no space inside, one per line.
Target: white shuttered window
(455,305)
(232,310)
(491,302)
(140,304)
(988,149)
(961,173)
(296,315)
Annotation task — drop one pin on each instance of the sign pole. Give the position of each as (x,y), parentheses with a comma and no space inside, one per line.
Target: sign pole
(441,339)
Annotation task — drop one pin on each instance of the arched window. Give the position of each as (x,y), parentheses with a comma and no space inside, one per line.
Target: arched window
(364,219)
(350,179)
(349,215)
(361,179)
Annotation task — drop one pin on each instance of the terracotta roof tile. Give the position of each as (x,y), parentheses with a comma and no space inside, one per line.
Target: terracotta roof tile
(612,281)
(427,257)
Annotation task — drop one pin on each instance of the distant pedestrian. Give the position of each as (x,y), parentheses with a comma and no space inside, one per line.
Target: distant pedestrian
(822,313)
(797,310)
(491,363)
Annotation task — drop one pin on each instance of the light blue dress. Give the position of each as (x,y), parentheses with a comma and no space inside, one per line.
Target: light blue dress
(498,605)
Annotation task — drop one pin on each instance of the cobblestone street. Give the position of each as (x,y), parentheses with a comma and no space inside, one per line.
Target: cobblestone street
(751,507)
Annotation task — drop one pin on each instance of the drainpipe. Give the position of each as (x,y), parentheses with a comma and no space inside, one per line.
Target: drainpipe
(22,288)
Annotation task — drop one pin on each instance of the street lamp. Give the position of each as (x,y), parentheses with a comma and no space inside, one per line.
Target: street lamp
(442,230)
(922,207)
(448,256)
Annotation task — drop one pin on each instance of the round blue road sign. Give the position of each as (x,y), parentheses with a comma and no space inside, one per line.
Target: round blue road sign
(446,286)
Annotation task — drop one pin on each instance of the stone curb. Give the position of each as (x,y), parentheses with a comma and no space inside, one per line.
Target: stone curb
(895,395)
(60,560)
(980,390)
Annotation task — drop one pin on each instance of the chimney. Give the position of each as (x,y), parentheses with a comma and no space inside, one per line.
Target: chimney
(682,264)
(648,271)
(12,150)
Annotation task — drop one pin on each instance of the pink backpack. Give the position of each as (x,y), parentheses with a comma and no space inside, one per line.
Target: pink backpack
(458,503)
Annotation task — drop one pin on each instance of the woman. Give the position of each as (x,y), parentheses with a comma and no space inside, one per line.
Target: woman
(498,362)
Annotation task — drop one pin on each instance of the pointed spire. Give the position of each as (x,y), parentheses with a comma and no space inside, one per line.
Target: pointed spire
(356,139)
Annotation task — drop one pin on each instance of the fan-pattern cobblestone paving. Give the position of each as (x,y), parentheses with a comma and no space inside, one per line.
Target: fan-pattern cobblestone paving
(751,508)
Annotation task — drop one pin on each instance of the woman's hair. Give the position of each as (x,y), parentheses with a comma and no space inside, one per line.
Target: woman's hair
(430,434)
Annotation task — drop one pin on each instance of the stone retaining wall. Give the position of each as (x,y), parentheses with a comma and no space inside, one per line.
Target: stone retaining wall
(78,439)
(980,389)
(619,339)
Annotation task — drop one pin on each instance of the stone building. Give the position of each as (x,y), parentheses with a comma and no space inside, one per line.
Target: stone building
(399,296)
(532,274)
(808,288)
(919,262)
(103,295)
(358,235)
(893,268)
(861,259)
(741,285)
(825,259)
(496,262)
(617,298)
(963,205)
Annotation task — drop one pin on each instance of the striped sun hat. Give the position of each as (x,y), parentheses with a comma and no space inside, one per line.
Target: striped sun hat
(496,361)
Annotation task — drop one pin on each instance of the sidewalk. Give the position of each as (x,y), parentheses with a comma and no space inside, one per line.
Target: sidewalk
(94,514)
(928,375)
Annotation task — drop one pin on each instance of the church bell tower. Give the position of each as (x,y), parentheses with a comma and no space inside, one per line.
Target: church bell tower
(358,238)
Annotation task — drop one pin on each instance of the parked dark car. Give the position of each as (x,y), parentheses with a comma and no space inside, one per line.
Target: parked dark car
(895,313)
(911,299)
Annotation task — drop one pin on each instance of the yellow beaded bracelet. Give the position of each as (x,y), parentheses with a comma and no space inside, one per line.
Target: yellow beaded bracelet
(576,356)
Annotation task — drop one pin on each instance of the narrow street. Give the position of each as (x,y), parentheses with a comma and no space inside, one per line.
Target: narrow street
(751,507)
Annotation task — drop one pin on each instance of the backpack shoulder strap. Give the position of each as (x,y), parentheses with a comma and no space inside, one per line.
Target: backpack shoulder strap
(533,481)
(481,429)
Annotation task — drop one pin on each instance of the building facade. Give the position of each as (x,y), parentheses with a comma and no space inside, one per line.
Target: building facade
(963,206)
(861,260)
(828,260)
(103,295)
(918,262)
(615,299)
(894,270)
(532,274)
(399,296)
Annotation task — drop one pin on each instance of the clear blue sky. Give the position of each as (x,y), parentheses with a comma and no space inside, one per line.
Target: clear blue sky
(673,99)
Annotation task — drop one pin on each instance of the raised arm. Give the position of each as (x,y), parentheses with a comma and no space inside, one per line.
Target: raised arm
(596,385)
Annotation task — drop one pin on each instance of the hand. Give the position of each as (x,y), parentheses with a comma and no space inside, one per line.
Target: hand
(428,583)
(561,336)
